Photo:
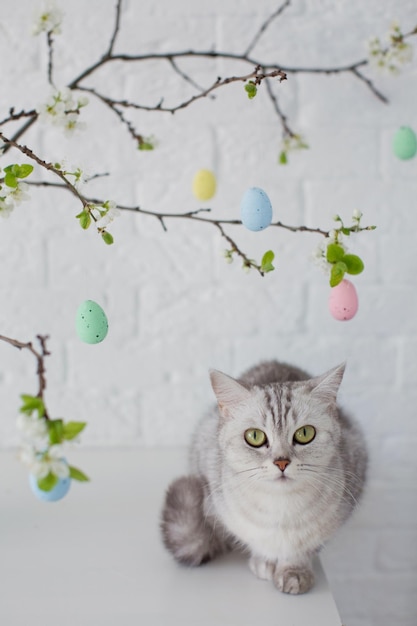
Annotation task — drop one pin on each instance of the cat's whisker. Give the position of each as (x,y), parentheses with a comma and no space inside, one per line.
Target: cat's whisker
(331,481)
(352,476)
(250,469)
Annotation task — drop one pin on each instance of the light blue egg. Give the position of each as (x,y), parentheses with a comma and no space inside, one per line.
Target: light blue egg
(91,322)
(255,209)
(57,493)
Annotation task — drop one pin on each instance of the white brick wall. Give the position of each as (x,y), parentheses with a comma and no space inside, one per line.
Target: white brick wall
(175,308)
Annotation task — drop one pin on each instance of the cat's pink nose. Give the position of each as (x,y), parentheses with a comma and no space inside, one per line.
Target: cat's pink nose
(282,463)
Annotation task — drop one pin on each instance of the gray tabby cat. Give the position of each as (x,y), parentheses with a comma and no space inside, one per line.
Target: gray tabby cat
(275,470)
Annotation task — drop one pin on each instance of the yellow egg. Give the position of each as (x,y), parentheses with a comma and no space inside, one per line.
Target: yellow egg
(204,185)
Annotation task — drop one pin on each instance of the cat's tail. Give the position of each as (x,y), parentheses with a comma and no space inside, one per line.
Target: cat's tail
(186,531)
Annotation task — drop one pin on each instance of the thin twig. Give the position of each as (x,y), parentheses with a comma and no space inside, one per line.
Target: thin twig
(370,84)
(265,25)
(50,42)
(116,29)
(40,359)
(234,248)
(13,117)
(257,75)
(47,166)
(283,118)
(191,215)
(22,130)
(185,76)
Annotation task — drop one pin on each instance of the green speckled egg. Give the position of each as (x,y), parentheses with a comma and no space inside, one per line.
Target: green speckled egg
(91,322)
(404,143)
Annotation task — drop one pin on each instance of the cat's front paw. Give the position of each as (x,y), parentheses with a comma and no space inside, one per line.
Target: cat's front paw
(292,579)
(261,567)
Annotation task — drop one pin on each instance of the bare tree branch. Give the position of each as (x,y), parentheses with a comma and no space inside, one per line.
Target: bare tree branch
(265,25)
(40,359)
(116,29)
(50,42)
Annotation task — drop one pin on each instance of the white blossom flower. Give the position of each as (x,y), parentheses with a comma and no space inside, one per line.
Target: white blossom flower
(71,123)
(228,255)
(49,19)
(17,195)
(319,257)
(41,464)
(392,57)
(56,463)
(111,214)
(82,102)
(32,428)
(5,208)
(62,110)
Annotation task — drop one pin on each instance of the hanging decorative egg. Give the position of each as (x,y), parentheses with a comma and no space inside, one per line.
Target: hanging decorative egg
(91,322)
(204,185)
(343,301)
(404,143)
(255,209)
(58,492)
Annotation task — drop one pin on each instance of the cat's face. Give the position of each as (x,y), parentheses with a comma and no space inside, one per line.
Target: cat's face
(280,432)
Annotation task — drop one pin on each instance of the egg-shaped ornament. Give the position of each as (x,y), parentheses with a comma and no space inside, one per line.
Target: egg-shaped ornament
(343,301)
(404,143)
(204,185)
(57,492)
(91,322)
(255,209)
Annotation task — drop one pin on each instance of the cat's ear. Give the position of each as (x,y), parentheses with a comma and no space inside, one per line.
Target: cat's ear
(327,385)
(229,393)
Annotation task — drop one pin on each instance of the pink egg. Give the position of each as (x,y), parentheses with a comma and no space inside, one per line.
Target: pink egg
(343,301)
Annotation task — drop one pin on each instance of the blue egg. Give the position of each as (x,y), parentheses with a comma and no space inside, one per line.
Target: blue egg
(57,493)
(255,209)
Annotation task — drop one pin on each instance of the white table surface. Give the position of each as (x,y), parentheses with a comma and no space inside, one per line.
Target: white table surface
(96,558)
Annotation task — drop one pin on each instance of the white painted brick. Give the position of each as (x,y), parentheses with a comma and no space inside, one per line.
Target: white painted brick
(379,410)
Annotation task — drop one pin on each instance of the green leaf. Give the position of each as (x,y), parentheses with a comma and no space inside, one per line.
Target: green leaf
(145,145)
(337,272)
(85,219)
(32,404)
(354,264)
(22,171)
(251,89)
(48,482)
(346,231)
(266,263)
(334,253)
(77,474)
(283,159)
(56,431)
(72,429)
(10,180)
(107,237)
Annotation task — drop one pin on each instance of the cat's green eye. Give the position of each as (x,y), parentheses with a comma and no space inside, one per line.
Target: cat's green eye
(305,434)
(255,437)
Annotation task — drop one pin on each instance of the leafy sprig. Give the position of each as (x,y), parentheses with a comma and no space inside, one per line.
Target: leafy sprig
(44,435)
(334,252)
